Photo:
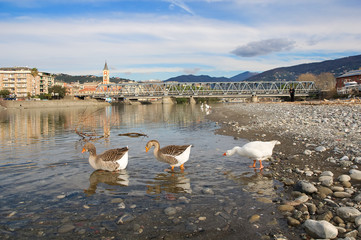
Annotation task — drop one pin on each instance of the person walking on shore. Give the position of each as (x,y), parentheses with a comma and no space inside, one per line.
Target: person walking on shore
(292,94)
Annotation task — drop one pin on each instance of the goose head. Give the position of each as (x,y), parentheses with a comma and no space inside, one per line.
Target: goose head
(150,144)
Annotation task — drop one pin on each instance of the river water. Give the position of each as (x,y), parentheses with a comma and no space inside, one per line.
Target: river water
(49,190)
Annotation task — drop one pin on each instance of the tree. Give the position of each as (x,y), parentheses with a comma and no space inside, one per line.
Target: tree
(57,91)
(34,72)
(4,93)
(326,81)
(307,77)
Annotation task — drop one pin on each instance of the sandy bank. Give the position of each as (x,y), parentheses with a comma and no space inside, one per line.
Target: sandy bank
(50,104)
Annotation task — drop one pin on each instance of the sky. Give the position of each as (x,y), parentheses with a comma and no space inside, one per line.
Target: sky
(159,39)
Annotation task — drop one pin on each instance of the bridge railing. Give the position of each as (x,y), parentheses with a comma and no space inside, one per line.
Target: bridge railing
(204,89)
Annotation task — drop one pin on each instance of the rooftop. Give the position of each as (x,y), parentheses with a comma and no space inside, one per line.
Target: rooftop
(351,73)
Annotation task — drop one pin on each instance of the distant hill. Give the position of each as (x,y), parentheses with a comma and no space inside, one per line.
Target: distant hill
(243,76)
(201,78)
(86,78)
(337,67)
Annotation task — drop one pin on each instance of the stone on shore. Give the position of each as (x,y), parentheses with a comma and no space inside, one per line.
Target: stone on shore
(305,186)
(320,229)
(355,174)
(348,213)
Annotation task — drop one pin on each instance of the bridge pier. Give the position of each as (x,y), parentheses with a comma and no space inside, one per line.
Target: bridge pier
(192,100)
(167,100)
(254,98)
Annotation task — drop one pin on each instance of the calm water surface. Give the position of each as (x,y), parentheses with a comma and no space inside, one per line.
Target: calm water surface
(49,190)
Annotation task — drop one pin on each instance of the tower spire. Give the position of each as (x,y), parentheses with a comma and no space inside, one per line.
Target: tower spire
(106,66)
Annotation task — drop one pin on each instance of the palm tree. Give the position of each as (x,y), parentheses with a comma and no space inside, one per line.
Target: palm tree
(34,73)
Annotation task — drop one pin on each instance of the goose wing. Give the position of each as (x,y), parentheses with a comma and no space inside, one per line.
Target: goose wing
(174,150)
(169,153)
(259,149)
(113,155)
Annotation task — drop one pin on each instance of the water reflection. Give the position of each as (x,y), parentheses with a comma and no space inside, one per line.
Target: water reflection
(120,178)
(172,182)
(254,182)
(36,124)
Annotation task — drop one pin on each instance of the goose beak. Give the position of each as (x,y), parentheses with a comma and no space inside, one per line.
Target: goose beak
(146,149)
(224,154)
(84,150)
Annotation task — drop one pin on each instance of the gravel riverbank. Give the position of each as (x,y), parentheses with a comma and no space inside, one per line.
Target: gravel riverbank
(317,161)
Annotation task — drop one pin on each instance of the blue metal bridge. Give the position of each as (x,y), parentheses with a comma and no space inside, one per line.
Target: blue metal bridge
(203,89)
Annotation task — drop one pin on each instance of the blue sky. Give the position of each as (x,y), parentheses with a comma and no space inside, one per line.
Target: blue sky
(143,40)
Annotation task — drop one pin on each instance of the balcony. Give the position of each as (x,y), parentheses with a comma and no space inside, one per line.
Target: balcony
(21,80)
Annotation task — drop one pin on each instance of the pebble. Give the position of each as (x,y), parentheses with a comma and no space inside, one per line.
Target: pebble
(116,200)
(344,178)
(341,195)
(125,219)
(254,218)
(320,149)
(355,174)
(286,208)
(110,226)
(348,213)
(66,228)
(306,187)
(207,191)
(320,229)
(326,180)
(293,222)
(169,211)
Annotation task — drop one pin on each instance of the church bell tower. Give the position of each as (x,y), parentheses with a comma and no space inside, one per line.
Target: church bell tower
(106,74)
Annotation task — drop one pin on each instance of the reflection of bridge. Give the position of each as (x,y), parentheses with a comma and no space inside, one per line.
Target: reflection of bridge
(203,89)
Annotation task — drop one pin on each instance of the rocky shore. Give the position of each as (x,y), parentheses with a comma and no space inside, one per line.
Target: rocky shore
(317,162)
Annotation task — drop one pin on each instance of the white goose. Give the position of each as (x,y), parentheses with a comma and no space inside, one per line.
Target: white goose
(256,150)
(110,160)
(174,155)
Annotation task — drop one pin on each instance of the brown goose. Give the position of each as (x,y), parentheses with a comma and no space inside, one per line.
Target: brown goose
(110,160)
(174,155)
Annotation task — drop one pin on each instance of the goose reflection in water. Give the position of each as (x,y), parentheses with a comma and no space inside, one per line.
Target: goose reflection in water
(119,178)
(257,183)
(172,182)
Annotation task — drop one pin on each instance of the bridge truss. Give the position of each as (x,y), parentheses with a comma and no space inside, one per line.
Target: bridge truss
(204,89)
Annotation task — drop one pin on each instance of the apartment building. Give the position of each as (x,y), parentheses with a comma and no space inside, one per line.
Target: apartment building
(21,82)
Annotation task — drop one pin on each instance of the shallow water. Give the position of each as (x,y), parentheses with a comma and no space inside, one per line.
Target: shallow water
(49,190)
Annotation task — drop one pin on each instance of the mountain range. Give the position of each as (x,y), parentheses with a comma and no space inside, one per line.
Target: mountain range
(337,67)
